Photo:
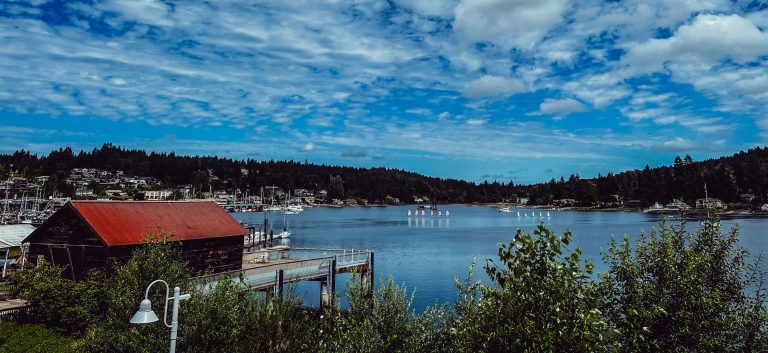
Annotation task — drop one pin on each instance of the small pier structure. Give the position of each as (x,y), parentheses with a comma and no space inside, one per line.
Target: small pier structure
(269,270)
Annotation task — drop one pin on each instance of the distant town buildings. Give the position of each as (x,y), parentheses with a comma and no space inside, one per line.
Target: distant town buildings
(710,203)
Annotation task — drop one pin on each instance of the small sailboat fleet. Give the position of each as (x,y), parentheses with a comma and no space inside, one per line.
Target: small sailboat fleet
(432,210)
(533,215)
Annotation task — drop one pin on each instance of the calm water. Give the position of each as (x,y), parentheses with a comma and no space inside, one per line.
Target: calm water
(427,253)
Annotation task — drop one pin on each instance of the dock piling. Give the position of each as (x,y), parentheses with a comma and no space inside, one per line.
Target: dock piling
(279,280)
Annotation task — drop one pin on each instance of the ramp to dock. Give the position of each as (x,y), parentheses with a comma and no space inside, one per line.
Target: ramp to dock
(270,269)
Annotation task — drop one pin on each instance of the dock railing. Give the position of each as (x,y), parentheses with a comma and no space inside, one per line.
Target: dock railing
(296,264)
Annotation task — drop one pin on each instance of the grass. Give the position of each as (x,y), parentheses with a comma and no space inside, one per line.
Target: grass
(29,338)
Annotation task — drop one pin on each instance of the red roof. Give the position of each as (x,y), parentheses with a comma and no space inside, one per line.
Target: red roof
(129,222)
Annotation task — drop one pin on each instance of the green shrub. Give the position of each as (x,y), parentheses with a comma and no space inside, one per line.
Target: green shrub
(67,305)
(685,292)
(541,300)
(384,322)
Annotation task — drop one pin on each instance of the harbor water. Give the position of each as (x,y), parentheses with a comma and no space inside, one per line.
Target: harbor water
(427,253)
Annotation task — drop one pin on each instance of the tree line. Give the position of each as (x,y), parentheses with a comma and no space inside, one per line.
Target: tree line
(216,173)
(740,178)
(728,178)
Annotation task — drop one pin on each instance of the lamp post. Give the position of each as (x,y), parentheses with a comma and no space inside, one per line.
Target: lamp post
(145,315)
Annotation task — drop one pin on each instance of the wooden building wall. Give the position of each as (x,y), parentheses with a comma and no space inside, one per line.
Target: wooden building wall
(214,254)
(65,240)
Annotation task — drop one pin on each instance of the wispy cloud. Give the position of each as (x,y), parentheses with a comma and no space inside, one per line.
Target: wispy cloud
(448,79)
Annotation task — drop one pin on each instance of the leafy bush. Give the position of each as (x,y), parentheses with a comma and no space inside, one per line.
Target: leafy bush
(540,300)
(67,305)
(384,322)
(685,292)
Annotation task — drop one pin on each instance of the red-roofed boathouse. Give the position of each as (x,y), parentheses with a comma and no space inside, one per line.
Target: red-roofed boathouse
(85,235)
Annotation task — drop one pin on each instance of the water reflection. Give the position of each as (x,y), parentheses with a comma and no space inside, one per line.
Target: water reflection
(428,222)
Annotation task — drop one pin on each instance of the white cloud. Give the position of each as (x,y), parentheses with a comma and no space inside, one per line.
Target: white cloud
(561,107)
(308,147)
(705,41)
(419,111)
(443,8)
(324,121)
(476,122)
(494,86)
(600,90)
(680,144)
(508,23)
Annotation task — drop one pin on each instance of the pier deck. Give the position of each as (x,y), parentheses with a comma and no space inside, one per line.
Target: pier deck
(270,269)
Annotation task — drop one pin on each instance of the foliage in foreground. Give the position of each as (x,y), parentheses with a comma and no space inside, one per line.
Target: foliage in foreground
(541,300)
(27,338)
(681,291)
(671,291)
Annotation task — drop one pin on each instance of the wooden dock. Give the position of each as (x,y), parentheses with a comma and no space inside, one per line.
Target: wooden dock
(10,307)
(270,269)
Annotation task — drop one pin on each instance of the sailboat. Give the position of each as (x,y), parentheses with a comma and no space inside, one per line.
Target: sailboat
(285,233)
(272,206)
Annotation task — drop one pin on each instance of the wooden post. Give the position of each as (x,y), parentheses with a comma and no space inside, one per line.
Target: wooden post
(325,299)
(371,273)
(279,277)
(333,281)
(5,263)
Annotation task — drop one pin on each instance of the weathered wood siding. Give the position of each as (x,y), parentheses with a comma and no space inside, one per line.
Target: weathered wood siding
(65,240)
(214,255)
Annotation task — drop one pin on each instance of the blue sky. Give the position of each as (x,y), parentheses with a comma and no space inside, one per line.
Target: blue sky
(520,90)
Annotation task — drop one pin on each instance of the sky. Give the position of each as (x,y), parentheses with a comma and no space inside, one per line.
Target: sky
(520,90)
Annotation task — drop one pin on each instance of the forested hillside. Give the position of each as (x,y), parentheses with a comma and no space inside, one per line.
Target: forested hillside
(727,178)
(214,173)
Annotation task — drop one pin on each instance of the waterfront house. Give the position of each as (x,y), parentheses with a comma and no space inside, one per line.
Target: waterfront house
(85,235)
(710,203)
(11,237)
(84,192)
(678,205)
(564,202)
(157,195)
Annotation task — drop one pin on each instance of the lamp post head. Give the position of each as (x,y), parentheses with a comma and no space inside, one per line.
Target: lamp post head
(145,315)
